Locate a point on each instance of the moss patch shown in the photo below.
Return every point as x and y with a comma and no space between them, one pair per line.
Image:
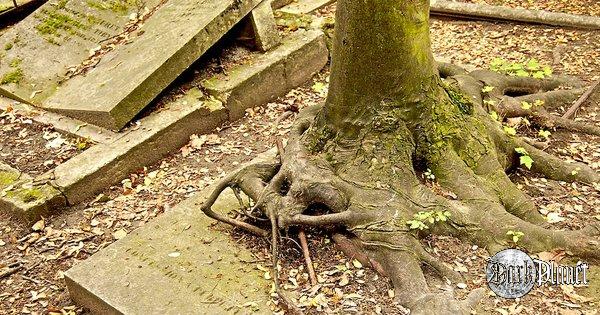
459,99
26,195
7,178
56,21
119,6
15,75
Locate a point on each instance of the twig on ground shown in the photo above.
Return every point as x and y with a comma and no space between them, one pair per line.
571,111
306,253
10,271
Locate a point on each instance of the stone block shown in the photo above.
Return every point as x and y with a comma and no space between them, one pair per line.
272,74
177,264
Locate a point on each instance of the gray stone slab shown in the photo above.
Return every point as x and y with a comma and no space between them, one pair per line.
132,75
272,74
264,26
126,78
36,53
176,264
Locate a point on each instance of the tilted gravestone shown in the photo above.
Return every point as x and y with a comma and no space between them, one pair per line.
81,58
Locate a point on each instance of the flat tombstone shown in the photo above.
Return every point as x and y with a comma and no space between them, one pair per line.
131,74
177,264
36,53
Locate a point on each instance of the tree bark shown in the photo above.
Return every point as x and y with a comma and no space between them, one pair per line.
381,61
389,118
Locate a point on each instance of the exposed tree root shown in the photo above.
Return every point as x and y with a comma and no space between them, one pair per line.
307,259
367,188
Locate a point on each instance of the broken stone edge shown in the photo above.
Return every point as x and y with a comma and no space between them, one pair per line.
271,75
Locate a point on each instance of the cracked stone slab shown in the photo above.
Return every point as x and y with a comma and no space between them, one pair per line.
177,264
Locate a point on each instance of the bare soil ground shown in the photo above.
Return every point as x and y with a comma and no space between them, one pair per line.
50,247
583,7
34,148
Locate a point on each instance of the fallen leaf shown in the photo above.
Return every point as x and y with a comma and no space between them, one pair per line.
119,234
344,280
554,217
39,225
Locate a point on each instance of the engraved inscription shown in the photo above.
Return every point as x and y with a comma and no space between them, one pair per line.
169,271
62,23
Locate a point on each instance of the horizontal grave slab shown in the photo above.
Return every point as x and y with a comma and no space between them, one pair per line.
177,264
103,61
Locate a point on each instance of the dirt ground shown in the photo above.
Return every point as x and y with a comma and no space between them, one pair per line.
585,7
42,252
35,148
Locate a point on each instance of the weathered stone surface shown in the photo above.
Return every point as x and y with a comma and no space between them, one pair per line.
264,26
125,79
6,4
271,75
305,6
276,4
60,122
104,164
36,53
177,264
20,197
132,75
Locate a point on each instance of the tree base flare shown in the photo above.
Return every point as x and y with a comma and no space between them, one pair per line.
368,188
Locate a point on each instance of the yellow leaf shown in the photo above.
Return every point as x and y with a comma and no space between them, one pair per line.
39,225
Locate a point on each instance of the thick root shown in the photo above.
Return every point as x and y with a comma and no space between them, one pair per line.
367,190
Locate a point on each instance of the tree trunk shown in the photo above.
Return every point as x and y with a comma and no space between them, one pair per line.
382,61
393,115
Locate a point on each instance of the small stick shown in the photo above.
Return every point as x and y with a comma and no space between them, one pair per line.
280,149
10,271
288,303
581,100
309,265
